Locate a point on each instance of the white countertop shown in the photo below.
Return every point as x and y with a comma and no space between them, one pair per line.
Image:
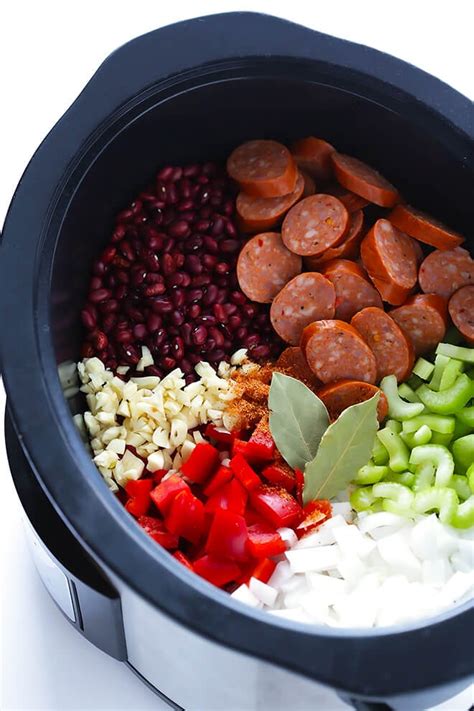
48,50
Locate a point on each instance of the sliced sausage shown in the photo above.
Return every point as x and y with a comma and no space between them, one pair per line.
425,228
313,155
335,350
389,257
423,318
309,184
293,363
342,394
306,298
349,199
264,266
461,310
353,290
392,349
363,180
349,247
444,273
256,214
314,224
263,168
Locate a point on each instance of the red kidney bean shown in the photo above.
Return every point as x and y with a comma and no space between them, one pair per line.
194,295
177,348
234,322
161,305
178,297
210,295
241,333
199,335
154,278
186,280
186,205
168,245
122,276
207,320
87,350
217,336
217,225
177,318
259,352
227,344
193,264
229,246
209,261
153,370
153,322
237,297
201,280
123,335
222,268
252,340
109,306
131,354
99,295
230,309
193,244
155,242
96,283
139,276
184,187
159,337
179,229
193,311
191,171
202,225
166,173
222,295
168,363
211,244
108,322
186,333
121,292
167,264
154,290
89,318
216,356
99,269
249,310
219,312
140,331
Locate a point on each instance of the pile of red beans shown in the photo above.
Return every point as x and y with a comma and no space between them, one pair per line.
167,280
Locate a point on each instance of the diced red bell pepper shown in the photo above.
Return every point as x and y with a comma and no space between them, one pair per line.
221,477
280,474
255,451
231,496
184,560
299,479
164,494
315,513
216,571
186,517
264,541
139,493
253,517
262,444
277,506
156,530
228,536
158,475
244,472
219,435
264,570
203,461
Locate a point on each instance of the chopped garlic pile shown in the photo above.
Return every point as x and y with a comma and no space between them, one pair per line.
157,417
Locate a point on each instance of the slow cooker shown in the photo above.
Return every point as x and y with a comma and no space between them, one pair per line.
184,93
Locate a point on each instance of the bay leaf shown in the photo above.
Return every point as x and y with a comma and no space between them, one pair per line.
345,446
298,419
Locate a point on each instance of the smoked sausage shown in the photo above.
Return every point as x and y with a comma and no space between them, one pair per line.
256,214
293,363
342,394
314,156
444,273
423,318
461,310
424,228
363,180
314,224
263,168
353,290
349,247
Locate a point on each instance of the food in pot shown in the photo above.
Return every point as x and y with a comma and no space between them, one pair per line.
253,398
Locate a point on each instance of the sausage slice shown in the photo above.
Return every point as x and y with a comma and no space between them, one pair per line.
257,214
306,298
292,362
390,259
425,228
314,156
335,350
461,310
263,168
392,349
309,184
264,266
423,318
340,395
314,224
363,180
353,290
349,199
349,247
444,273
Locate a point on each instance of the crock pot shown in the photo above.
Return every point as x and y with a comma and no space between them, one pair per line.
184,93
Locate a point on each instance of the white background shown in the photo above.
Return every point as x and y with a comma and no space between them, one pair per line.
48,50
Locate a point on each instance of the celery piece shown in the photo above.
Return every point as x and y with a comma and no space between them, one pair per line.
394,425
408,439
437,423
406,478
470,477
461,429
398,409
422,435
441,362
466,416
458,352
423,368
396,448
450,401
440,456
397,498
379,453
450,374
440,438
406,392
370,474
463,452
424,477
438,498
362,499
464,516
414,382
461,486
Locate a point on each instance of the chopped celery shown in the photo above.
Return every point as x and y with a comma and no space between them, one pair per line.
439,438
414,382
396,448
450,401
436,423
362,499
397,498
408,439
440,499
394,425
470,477
461,486
406,392
466,416
464,516
458,352
461,429
441,362
422,435
370,474
450,374
406,478
397,408
423,368
424,477
379,453
440,456
463,452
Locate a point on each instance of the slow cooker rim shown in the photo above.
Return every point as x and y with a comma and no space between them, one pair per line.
19,405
